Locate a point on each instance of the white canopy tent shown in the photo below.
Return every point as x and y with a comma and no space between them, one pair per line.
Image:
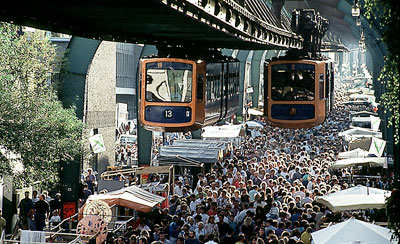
255,112
352,162
361,91
355,153
131,197
230,133
352,231
358,197
223,131
364,97
253,124
358,132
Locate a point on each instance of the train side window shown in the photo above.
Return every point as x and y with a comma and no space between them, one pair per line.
321,86
200,85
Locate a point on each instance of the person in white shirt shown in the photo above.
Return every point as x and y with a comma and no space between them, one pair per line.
311,184
211,239
306,199
178,189
201,179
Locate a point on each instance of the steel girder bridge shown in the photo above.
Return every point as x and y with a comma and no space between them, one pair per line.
236,24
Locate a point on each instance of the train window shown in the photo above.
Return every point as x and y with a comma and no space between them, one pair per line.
321,86
292,82
169,82
200,85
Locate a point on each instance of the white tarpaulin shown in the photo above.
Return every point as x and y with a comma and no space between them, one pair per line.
353,231
97,143
377,146
358,197
224,131
352,162
356,153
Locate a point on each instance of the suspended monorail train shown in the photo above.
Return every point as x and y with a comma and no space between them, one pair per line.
185,95
298,93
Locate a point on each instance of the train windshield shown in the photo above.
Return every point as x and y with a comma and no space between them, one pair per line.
293,82
169,82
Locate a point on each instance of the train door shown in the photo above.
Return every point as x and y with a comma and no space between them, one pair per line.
200,92
327,87
321,99
332,85
266,85
232,93
223,89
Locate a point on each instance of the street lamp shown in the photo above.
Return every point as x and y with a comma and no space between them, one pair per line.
355,10
358,21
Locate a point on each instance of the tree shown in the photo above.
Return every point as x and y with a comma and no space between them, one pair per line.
33,123
386,15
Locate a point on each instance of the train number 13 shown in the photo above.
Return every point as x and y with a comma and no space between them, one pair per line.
168,113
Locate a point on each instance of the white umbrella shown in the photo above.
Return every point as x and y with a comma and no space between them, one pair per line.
352,231
352,162
355,153
253,124
358,197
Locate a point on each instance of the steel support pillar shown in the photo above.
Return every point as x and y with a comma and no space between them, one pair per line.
144,137
80,56
196,134
340,63
256,75
242,56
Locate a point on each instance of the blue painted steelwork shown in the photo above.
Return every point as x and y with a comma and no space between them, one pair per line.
301,111
80,55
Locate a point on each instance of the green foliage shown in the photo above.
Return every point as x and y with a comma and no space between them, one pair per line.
385,15
33,123
392,210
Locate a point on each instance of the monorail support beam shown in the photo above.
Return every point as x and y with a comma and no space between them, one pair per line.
80,56
144,138
256,75
196,134
242,56
340,63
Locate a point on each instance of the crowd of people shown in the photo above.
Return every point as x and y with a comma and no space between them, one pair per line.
263,193
35,212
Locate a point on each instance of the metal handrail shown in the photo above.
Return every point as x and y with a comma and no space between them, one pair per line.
63,221
125,222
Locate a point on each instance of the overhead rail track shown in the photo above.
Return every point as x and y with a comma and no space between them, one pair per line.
240,24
